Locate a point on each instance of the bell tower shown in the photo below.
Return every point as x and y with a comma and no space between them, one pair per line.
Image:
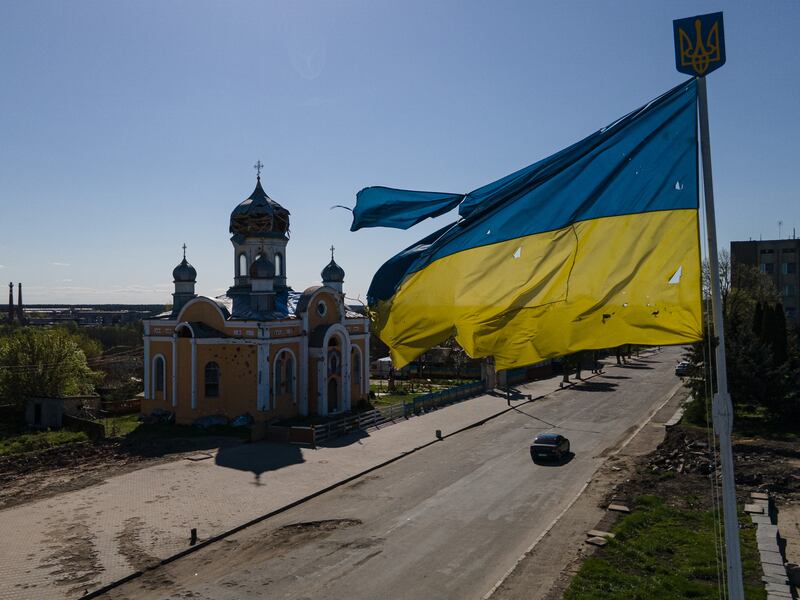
259,227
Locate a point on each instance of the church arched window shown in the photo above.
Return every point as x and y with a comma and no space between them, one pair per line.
212,380
355,362
159,373
278,265
289,374
243,265
334,362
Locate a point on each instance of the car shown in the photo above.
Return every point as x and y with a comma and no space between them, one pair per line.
682,368
549,446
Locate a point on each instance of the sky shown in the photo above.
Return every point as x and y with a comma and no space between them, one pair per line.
130,128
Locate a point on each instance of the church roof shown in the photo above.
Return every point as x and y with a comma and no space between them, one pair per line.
259,216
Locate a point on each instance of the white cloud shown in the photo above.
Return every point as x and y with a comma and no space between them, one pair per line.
2,266
60,264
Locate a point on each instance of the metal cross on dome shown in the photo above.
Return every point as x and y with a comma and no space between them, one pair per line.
258,166
332,249
184,251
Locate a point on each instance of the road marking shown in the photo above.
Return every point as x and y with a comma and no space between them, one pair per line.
669,396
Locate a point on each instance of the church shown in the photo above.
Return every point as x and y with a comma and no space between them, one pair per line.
262,348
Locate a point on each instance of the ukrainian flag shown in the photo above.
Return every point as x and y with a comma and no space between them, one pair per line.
593,247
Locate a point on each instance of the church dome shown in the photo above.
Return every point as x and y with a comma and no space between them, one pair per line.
184,272
262,268
260,216
333,272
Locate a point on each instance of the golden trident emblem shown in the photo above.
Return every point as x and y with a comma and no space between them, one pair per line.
703,53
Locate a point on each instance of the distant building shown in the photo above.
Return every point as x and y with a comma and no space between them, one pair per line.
261,348
778,259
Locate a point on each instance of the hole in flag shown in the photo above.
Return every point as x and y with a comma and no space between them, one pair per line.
676,278
488,231
678,186
518,252
625,304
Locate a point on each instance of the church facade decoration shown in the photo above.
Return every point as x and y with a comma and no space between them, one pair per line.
262,348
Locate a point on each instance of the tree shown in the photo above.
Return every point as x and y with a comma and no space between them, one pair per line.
761,363
43,362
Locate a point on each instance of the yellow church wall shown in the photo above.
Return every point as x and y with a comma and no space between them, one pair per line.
238,390
331,313
183,412
206,312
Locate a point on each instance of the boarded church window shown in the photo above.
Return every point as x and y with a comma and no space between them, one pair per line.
355,360
159,373
289,374
212,380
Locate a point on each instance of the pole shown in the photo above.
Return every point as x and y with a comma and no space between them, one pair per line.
721,407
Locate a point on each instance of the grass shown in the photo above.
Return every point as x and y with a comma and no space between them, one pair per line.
120,425
40,440
662,553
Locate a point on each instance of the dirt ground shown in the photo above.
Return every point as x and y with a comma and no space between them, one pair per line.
37,475
677,465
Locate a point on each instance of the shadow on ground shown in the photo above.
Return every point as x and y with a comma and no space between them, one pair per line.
554,463
354,437
259,458
595,386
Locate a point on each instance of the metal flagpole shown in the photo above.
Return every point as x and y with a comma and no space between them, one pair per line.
721,407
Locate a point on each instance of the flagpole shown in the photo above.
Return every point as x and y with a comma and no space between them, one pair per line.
722,409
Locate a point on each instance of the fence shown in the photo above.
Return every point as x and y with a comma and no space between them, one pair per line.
379,416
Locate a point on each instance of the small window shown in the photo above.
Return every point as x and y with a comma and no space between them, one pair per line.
767,251
212,380
278,265
322,308
289,374
788,290
243,265
355,360
159,373
788,250
768,268
334,363
789,268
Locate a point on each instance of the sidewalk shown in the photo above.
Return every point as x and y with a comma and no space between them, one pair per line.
62,546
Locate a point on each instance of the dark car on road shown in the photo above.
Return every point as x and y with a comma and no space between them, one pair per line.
549,446
682,368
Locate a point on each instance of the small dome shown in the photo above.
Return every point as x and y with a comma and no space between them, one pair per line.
333,272
184,272
262,268
260,216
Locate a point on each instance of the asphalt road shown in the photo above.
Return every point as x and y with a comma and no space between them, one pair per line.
445,522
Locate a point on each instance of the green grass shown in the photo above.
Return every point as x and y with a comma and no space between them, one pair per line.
121,425
662,553
41,440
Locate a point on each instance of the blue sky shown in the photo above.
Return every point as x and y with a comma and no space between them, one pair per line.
130,128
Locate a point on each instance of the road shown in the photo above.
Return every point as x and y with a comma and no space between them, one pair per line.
447,521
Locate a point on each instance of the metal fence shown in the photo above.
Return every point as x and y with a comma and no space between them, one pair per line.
386,414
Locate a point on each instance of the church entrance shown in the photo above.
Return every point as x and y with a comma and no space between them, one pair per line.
333,395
